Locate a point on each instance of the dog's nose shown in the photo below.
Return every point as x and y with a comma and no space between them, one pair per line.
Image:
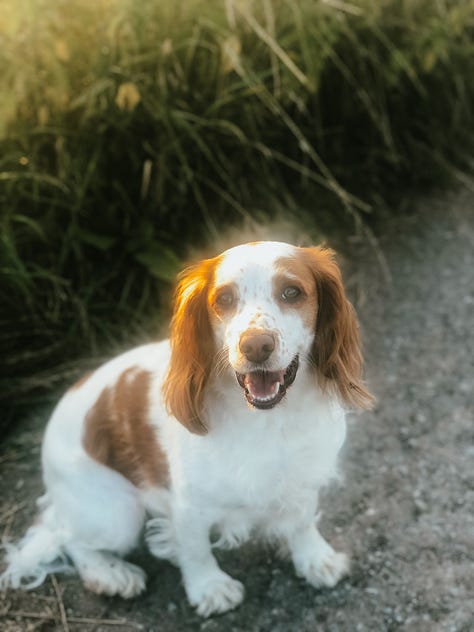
256,346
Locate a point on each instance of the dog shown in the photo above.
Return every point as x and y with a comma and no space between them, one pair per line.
229,428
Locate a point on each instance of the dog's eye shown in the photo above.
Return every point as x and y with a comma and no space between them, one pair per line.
290,294
225,300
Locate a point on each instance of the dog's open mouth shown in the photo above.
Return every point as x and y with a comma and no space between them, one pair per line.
265,389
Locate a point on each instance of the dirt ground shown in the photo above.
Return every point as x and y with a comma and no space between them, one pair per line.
405,510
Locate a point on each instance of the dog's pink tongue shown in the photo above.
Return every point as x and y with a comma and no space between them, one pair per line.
261,384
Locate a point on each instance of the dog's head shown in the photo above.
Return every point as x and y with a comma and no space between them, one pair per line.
261,310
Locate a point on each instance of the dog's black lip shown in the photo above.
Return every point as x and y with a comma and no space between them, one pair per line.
288,379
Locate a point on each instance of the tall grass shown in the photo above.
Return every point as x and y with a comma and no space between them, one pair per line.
130,131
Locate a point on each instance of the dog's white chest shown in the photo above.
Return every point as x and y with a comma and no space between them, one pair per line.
260,462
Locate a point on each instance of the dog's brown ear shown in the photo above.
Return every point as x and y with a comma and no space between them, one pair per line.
192,347
336,349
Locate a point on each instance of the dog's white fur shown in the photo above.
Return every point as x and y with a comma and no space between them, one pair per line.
239,471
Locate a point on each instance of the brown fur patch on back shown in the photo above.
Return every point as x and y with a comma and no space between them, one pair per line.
118,432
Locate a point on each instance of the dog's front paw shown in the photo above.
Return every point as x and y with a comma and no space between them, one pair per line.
215,593
326,570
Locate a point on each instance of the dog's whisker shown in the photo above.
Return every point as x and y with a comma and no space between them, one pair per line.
309,359
221,355
221,361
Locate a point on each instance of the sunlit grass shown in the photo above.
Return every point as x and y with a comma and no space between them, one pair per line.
130,131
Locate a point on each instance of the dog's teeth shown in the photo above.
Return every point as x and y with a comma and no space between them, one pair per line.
268,398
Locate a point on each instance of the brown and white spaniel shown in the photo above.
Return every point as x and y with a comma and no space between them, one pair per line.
231,426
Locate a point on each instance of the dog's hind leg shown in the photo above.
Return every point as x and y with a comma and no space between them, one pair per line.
105,573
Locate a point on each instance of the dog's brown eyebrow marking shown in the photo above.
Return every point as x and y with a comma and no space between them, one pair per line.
118,432
293,270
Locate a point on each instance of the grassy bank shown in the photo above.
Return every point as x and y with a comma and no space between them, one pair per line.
130,131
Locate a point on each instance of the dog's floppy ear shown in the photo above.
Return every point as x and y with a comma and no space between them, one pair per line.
336,349
192,347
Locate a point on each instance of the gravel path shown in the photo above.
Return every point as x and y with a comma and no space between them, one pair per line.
406,508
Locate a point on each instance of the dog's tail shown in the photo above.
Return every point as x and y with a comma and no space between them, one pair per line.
39,553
